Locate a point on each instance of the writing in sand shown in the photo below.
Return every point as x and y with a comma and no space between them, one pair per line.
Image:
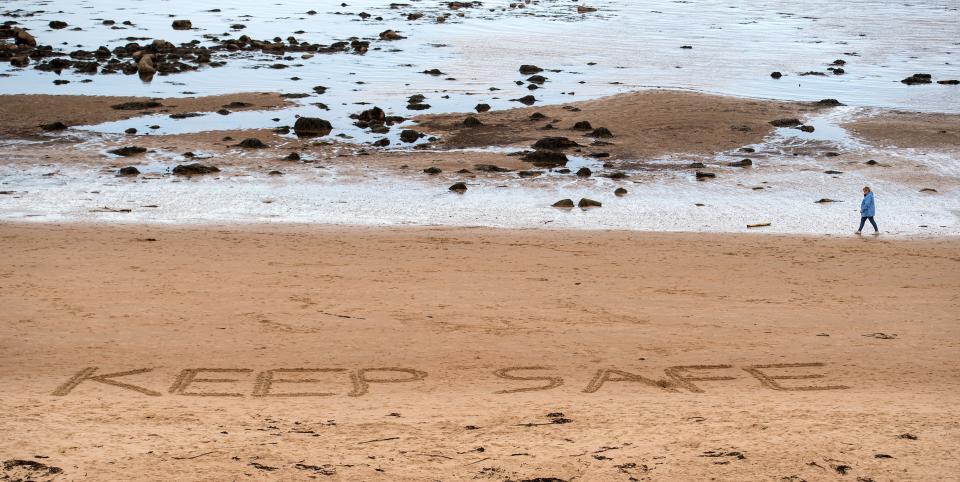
276,382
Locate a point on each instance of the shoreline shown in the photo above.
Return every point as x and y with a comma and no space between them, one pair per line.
314,227
678,155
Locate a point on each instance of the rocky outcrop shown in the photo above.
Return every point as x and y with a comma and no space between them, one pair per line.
554,143
128,151
252,143
311,127
546,158
194,169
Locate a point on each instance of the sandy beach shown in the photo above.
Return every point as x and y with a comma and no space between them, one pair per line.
538,241
659,356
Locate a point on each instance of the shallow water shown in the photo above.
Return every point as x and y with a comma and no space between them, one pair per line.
634,45
780,188
725,205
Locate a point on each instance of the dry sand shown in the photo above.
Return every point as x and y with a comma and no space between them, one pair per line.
447,309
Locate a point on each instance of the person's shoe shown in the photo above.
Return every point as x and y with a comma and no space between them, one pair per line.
858,233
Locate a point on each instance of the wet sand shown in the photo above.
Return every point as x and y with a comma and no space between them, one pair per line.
465,316
909,130
644,124
24,115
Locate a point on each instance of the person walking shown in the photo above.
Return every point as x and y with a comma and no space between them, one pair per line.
868,209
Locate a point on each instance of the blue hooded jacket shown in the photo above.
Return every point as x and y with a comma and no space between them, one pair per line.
867,208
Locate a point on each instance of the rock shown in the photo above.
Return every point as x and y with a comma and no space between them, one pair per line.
375,114
787,122
825,200
530,69
582,126
131,130
145,66
546,158
601,132
54,126
194,169
776,75
871,162
949,82
410,136
432,170
390,35
741,163
747,149
472,121
381,142
927,189
833,172
185,115
57,24
182,25
128,171
705,175
528,174
537,116
160,45
588,203
618,175
758,225
434,72
918,79
584,172
482,107
21,61
537,79
128,151
274,173
563,203
252,143
459,188
416,98
585,9
22,37
137,105
554,143
599,155
525,100
620,192
311,127
293,156
696,165
806,128
830,103
490,168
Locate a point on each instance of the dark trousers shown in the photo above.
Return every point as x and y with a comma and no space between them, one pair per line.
864,220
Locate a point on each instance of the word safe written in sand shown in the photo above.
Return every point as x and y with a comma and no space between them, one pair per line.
277,382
